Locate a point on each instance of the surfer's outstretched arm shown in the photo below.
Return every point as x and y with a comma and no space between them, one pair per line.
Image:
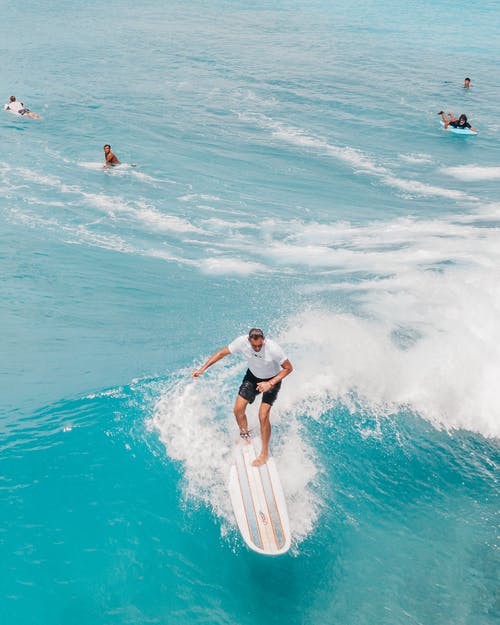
211,361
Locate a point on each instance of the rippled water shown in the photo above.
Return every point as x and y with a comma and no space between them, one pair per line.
283,166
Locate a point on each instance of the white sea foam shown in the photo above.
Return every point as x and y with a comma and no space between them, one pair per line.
74,234
38,202
140,175
416,158
224,265
426,335
283,245
41,179
197,428
415,187
91,165
140,211
485,212
380,247
225,225
161,221
428,342
82,235
357,159
354,157
123,169
473,173
113,205
168,255
189,197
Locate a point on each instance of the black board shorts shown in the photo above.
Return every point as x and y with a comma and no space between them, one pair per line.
248,389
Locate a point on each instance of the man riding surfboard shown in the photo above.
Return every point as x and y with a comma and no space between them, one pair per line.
267,367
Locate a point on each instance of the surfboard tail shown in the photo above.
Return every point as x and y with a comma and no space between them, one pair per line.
259,503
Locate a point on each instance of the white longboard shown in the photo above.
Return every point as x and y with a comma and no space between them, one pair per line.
258,502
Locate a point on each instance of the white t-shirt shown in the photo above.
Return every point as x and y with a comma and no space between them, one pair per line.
15,106
264,364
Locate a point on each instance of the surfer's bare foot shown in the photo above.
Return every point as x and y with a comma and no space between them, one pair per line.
259,461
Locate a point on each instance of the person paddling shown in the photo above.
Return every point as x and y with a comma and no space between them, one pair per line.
452,121
19,109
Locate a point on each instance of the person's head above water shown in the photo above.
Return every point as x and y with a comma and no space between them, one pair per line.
107,146
462,119
12,98
467,83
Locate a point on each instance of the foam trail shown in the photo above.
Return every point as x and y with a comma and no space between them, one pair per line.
358,160
220,266
384,248
140,211
195,422
91,165
121,169
189,197
430,344
417,158
473,173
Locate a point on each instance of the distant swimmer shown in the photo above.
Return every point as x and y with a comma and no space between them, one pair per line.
267,366
18,108
110,160
467,84
460,123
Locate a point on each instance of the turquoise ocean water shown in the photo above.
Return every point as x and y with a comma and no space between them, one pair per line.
290,172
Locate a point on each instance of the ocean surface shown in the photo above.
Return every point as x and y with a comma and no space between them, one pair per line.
282,166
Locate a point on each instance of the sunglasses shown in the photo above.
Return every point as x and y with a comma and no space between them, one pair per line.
256,336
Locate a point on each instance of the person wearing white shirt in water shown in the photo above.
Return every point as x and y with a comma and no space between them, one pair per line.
19,109
267,366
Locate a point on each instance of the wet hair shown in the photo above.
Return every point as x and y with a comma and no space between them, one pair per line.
466,79
257,331
12,98
464,117
107,146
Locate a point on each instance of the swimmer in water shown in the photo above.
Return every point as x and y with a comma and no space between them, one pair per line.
110,159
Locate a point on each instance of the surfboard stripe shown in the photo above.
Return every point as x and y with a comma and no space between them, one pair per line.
264,520
258,502
272,508
248,502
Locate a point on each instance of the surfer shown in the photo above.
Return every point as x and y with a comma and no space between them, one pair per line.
19,109
461,122
110,159
267,366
